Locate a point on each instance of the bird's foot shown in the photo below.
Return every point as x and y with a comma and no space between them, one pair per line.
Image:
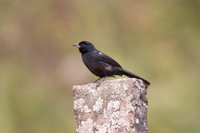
99,83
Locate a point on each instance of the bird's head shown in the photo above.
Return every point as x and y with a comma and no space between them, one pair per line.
84,46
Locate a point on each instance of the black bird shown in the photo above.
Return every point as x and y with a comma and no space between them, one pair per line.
100,64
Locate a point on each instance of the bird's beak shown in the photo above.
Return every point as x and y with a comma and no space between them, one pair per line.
76,45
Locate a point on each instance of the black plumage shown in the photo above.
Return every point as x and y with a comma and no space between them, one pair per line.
100,64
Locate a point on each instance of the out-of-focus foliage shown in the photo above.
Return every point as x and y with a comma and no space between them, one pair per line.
158,40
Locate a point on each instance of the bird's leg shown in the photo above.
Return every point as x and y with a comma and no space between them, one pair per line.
99,83
97,80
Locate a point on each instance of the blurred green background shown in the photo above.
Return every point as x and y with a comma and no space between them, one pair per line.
158,40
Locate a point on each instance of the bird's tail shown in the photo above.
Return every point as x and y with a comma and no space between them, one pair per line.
131,75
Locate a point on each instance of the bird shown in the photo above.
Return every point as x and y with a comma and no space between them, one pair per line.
101,64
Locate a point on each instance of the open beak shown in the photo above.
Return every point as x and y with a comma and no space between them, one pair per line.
76,45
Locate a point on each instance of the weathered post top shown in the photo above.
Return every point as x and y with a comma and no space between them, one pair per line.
116,106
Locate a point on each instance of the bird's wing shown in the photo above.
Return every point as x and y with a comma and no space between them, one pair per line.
106,59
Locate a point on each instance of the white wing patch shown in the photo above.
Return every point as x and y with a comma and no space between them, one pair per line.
108,67
100,53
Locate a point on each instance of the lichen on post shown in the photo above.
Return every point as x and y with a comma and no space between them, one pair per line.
116,106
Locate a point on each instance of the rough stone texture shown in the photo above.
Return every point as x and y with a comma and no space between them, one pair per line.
116,106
